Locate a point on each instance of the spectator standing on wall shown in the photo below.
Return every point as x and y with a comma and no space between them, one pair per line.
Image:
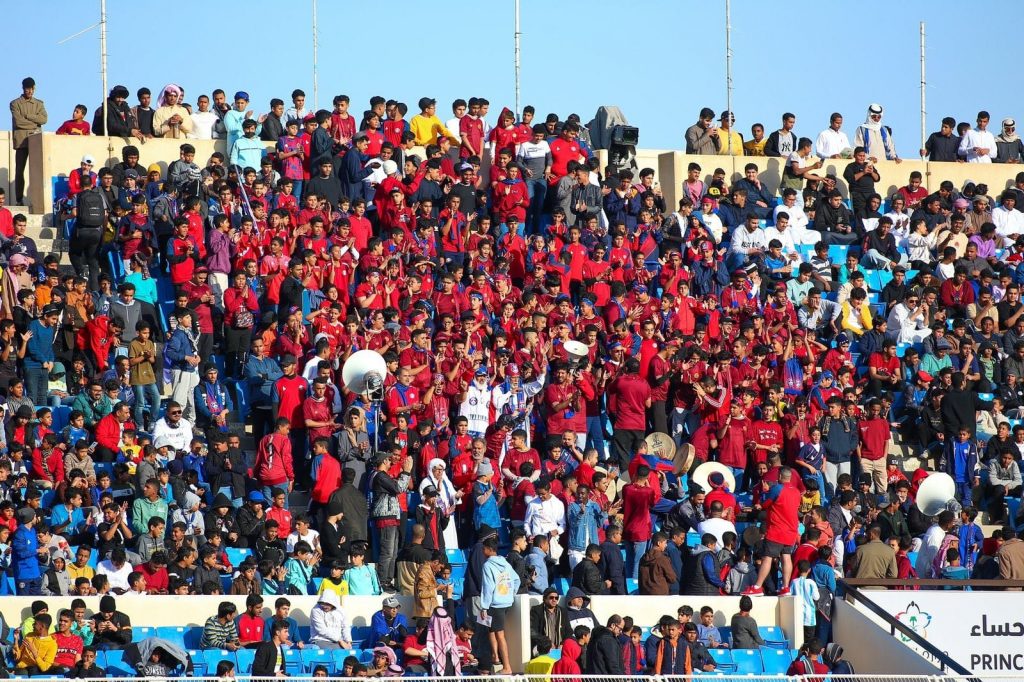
28,115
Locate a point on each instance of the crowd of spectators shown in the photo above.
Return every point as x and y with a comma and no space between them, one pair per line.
790,334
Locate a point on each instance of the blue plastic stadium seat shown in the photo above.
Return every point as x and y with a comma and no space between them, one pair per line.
314,585
61,413
244,658
364,655
748,661
837,252
632,586
775,661
772,633
293,662
562,585
360,637
198,662
313,657
339,657
236,555
174,635
141,633
455,556
726,632
116,666
211,657
692,539
721,655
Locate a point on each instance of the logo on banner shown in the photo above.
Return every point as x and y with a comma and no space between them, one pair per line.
915,619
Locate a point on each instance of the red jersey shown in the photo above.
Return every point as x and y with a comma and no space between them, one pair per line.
289,394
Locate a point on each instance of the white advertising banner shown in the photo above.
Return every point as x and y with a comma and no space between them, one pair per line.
982,631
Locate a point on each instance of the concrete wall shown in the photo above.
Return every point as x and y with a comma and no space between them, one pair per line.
52,155
871,648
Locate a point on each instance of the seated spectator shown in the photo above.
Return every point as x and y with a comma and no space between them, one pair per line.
329,626
220,631
113,629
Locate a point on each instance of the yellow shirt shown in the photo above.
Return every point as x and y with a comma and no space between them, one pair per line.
46,651
540,666
737,142
754,148
341,589
74,572
428,129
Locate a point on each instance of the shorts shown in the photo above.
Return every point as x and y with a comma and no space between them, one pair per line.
497,618
774,550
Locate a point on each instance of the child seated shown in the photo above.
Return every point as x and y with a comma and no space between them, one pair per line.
953,570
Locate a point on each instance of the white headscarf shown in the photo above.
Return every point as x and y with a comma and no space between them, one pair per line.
868,122
444,486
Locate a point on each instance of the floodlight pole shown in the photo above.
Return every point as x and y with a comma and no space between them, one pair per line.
728,70
316,49
518,110
103,61
923,85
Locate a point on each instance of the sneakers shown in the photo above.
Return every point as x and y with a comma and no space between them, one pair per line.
783,592
754,591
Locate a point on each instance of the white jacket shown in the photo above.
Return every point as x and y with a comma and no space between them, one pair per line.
329,626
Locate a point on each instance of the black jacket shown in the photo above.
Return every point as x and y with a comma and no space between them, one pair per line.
959,410
613,567
120,120
355,510
265,660
587,577
538,626
604,653
522,569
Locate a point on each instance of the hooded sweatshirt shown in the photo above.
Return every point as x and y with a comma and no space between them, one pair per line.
500,584
568,664
656,574
328,626
582,615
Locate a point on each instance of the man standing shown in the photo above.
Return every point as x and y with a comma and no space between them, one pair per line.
875,137
702,136
782,502
629,399
28,115
874,445
943,145
874,559
979,145
25,555
783,141
832,141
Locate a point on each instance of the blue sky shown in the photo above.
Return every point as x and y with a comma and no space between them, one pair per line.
659,60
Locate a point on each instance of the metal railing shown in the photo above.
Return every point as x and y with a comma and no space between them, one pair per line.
520,677
945,661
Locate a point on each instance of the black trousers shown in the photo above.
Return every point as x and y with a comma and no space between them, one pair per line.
20,163
84,252
625,443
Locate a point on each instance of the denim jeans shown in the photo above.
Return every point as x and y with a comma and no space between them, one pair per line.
538,190
37,381
388,554
147,397
634,552
29,588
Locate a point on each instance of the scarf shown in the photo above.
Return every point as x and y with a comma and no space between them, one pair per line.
869,124
1007,137
170,87
441,645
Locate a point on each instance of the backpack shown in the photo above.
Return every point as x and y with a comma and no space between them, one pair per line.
91,209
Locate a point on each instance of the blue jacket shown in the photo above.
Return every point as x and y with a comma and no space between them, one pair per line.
381,631
622,208
582,523
179,348
40,346
247,152
222,395
966,454
675,556
486,513
709,280
535,560
352,173
260,388
24,562
500,584
755,195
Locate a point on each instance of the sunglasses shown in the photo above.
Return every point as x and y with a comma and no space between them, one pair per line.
174,413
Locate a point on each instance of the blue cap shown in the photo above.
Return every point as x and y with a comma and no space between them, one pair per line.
242,94
481,371
256,496
827,375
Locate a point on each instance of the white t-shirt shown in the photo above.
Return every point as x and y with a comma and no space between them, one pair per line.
717,527
831,143
312,538
202,125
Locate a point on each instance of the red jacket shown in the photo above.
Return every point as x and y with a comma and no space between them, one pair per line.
511,198
108,432
50,468
783,521
96,338
274,461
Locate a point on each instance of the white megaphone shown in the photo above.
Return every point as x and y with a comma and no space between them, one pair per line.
577,352
936,494
364,372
